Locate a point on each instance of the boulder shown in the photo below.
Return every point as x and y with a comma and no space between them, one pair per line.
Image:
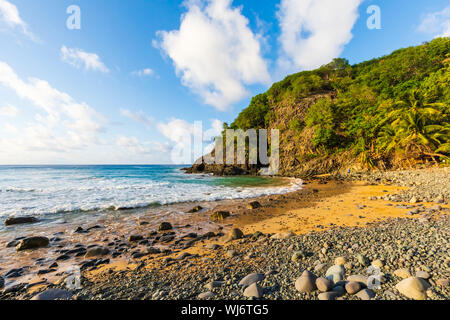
20,220
32,243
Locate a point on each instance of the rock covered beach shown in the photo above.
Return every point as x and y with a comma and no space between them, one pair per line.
401,254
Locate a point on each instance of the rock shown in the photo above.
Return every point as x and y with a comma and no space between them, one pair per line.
32,243
339,290
195,209
165,226
378,263
2,282
306,282
283,236
135,238
12,243
298,256
20,220
362,260
254,290
353,287
328,296
320,267
335,273
231,253
323,284
251,278
423,274
220,215
96,251
214,284
54,294
253,205
340,261
235,234
206,295
366,294
413,200
362,280
443,282
402,273
413,288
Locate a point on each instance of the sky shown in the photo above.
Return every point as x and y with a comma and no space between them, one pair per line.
124,82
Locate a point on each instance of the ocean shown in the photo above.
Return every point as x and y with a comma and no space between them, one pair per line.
57,190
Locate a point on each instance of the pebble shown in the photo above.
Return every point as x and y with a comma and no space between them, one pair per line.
254,290
340,261
402,273
323,284
206,295
328,296
366,294
306,282
165,226
423,274
352,287
54,294
251,278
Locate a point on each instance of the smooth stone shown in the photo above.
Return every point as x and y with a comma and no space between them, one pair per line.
254,290
335,273
231,253
20,220
413,288
214,284
423,274
206,295
323,284
32,243
402,273
362,280
306,282
366,294
251,278
253,205
339,290
320,267
378,264
328,296
53,294
353,287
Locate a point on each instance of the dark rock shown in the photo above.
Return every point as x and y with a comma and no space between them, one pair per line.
20,220
165,226
220,215
96,251
253,205
54,294
32,243
195,209
135,238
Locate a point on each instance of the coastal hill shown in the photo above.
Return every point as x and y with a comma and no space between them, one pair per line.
387,113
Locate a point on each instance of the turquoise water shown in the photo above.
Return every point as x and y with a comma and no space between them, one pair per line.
46,190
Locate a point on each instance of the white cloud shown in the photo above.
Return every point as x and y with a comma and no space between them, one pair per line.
64,125
144,72
10,17
81,59
313,32
139,116
437,23
215,52
9,111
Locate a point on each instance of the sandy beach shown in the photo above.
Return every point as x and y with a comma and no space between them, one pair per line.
195,250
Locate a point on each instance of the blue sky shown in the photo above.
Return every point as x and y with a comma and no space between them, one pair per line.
128,86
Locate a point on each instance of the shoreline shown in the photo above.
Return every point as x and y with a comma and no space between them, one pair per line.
321,207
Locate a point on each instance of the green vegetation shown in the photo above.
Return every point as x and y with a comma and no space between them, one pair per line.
385,110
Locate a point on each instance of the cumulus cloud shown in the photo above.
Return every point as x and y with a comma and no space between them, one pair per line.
139,116
63,123
147,72
10,18
81,59
215,52
436,23
9,111
313,32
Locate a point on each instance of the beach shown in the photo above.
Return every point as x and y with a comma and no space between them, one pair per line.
334,227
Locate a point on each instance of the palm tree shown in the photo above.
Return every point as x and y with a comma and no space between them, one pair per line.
417,127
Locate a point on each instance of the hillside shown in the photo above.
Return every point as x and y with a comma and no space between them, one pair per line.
389,112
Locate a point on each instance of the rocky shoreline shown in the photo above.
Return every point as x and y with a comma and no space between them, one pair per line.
395,258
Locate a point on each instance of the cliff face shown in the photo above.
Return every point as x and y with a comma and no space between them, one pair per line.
391,112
